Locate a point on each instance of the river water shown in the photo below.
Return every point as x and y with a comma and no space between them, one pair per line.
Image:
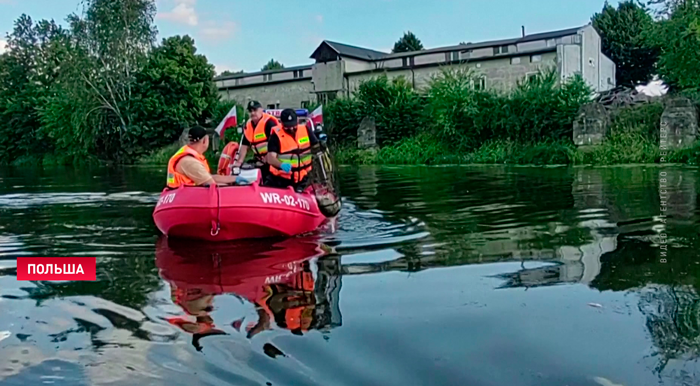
486,275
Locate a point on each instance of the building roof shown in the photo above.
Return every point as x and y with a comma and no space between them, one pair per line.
347,50
550,35
249,74
493,43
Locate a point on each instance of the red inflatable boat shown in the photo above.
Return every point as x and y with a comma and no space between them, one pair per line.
242,211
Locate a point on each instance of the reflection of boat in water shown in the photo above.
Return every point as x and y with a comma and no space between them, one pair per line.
293,283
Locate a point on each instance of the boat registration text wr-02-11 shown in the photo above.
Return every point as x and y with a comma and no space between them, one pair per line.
285,199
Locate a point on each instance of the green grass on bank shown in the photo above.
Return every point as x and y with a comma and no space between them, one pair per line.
424,149
624,148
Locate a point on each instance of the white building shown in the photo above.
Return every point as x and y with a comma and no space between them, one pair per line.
339,68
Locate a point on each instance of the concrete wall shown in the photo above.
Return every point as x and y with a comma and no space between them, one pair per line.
354,65
529,46
391,63
429,59
287,94
590,56
569,60
248,80
328,76
481,53
355,80
503,74
607,73
499,73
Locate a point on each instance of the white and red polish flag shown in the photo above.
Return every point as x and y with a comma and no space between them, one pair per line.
316,116
230,120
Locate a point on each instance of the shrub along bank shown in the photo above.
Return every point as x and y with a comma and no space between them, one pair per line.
453,122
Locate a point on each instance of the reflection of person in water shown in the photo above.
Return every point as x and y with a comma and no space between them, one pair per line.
197,304
281,281
291,305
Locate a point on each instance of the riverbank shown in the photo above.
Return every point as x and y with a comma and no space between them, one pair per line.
426,150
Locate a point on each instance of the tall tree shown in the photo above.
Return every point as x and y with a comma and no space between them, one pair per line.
407,43
27,72
272,65
113,39
175,90
624,35
678,38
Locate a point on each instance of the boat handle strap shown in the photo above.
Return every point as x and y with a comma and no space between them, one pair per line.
215,213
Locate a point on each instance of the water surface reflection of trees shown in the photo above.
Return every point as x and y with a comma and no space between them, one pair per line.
603,217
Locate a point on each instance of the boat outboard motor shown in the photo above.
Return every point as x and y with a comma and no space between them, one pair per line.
323,178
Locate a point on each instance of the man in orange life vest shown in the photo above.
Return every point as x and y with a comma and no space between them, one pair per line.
256,135
289,153
188,166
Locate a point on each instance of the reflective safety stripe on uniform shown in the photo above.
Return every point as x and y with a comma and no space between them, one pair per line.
257,137
295,151
175,179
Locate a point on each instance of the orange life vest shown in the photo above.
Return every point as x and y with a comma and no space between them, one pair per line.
226,159
292,318
257,137
295,151
175,179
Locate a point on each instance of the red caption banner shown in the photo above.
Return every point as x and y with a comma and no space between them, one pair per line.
57,268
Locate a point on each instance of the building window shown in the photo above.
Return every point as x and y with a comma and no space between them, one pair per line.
536,58
325,97
452,56
515,60
296,74
305,104
577,39
480,83
267,77
500,50
405,62
301,73
531,76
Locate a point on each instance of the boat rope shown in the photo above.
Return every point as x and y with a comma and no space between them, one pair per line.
216,225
